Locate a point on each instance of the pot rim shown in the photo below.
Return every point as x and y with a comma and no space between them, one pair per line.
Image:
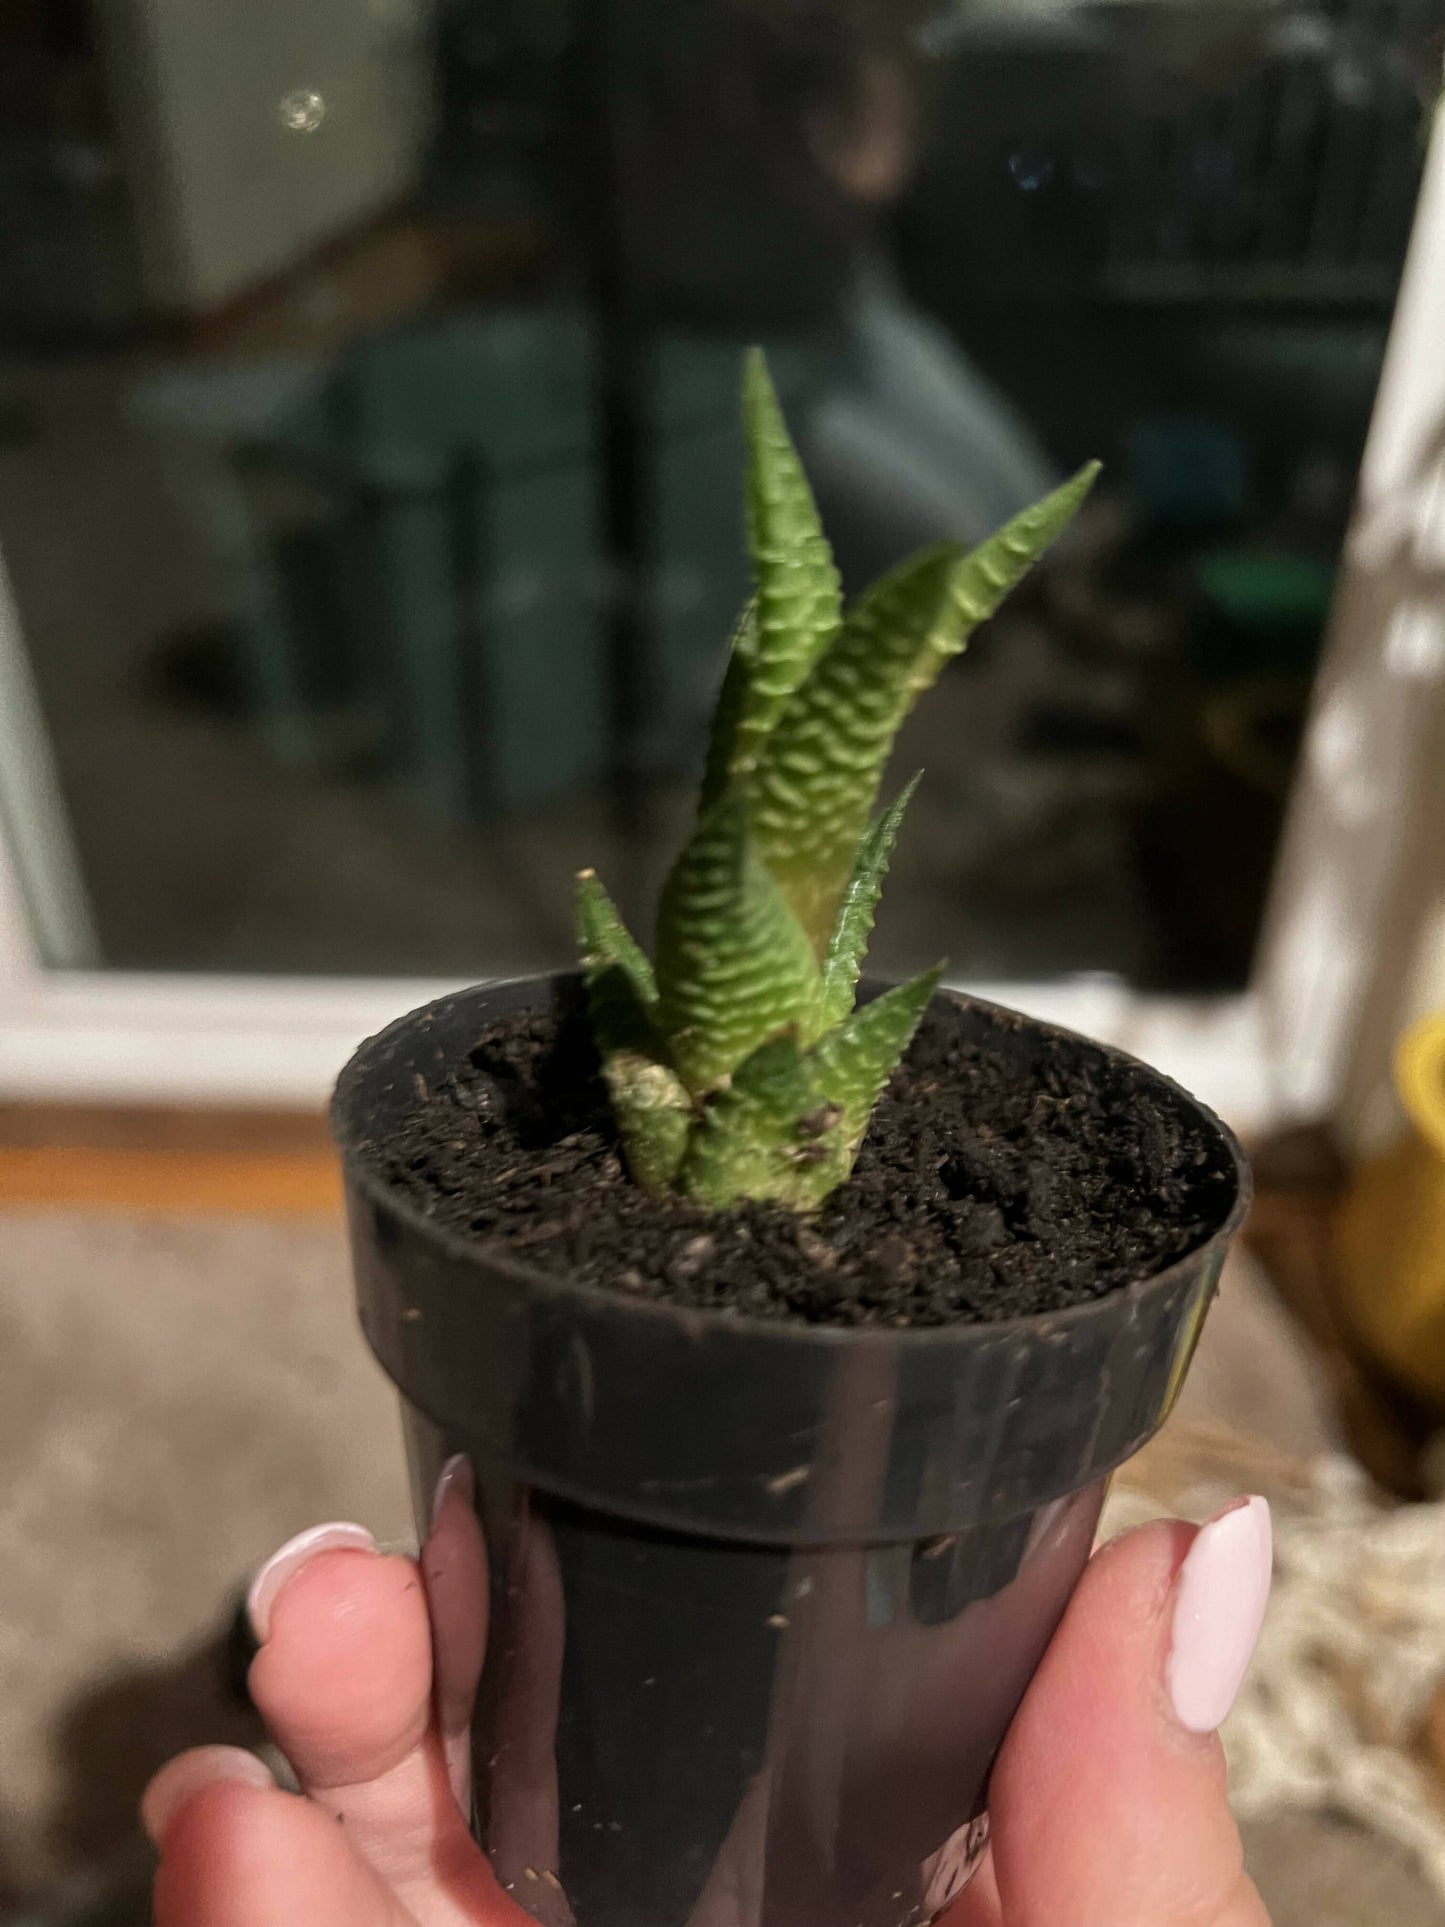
497,1255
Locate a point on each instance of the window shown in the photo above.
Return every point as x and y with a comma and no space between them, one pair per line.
368,457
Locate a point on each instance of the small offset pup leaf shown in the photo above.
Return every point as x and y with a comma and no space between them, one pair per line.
799,599
621,991
849,942
604,938
788,1126
745,1141
653,1117
857,1059
813,788
734,965
649,1104
728,711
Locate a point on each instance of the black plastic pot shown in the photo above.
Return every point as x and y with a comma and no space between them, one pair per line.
763,1597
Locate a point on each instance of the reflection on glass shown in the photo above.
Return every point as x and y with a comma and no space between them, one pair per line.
369,460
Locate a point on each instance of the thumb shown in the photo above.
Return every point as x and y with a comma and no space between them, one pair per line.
1108,1803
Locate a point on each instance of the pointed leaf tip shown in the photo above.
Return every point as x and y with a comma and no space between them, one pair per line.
857,1059
798,603
849,942
605,941
813,787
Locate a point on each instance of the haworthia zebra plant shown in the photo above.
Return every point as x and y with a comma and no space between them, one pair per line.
738,1065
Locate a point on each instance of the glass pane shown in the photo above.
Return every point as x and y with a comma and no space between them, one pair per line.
369,456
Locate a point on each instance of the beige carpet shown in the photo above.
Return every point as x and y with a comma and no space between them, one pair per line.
176,1398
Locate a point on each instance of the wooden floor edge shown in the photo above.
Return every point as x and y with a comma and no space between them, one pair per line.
300,1184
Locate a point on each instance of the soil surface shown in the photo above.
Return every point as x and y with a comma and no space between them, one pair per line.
985,1188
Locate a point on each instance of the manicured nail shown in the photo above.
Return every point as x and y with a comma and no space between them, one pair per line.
454,1566
456,1476
183,1778
284,1565
1218,1609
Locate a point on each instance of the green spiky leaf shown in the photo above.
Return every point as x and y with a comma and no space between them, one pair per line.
734,965
742,1069
728,710
849,942
813,788
799,600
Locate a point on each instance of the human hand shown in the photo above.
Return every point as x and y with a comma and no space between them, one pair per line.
1108,1801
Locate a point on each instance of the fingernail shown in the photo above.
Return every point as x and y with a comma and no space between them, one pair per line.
447,1569
283,1566
1218,1609
182,1779
456,1476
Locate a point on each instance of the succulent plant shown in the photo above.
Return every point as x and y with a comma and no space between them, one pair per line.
739,1065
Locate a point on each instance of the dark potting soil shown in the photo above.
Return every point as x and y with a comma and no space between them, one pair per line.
982,1191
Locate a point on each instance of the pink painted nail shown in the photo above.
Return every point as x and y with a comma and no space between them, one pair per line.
454,1566
284,1565
456,1476
1218,1609
185,1777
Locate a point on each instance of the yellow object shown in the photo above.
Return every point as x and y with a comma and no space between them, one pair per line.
1391,1242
